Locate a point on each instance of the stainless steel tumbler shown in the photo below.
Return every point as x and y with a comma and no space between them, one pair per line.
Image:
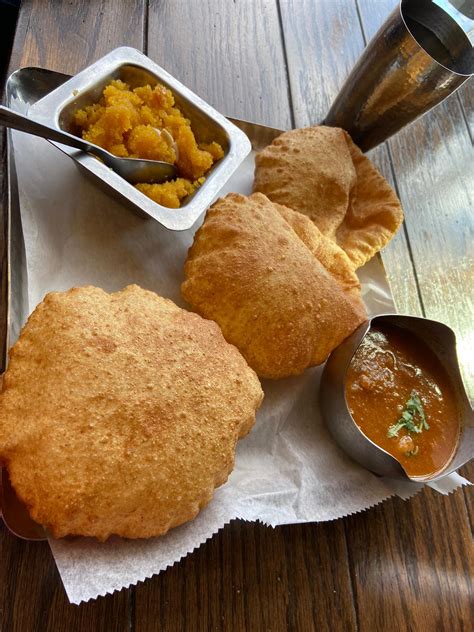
421,54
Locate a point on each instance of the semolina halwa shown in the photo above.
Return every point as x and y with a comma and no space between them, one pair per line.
129,123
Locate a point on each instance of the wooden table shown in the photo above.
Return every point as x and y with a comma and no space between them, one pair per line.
399,566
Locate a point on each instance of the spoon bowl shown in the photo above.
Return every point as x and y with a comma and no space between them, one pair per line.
133,170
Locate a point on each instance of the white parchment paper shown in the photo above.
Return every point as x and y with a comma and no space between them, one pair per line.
288,470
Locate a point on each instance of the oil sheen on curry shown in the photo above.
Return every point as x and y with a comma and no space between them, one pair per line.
402,399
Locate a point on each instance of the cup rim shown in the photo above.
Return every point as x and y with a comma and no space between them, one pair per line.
438,7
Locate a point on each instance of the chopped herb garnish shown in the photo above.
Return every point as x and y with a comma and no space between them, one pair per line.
395,429
413,418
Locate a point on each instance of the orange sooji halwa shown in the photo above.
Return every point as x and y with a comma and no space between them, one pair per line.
402,399
145,123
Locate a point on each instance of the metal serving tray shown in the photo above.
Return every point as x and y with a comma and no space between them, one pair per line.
25,88
128,64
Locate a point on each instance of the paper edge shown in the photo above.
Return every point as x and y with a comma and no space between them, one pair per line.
463,483
221,528
150,575
214,533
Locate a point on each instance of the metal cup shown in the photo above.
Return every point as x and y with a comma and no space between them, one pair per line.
421,54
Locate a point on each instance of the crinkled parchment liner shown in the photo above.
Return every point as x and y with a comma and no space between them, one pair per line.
287,470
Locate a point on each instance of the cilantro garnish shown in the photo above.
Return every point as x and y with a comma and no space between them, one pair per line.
413,417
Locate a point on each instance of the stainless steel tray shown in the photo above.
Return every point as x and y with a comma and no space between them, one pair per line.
57,108
24,88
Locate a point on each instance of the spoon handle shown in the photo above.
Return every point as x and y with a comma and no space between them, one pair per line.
10,118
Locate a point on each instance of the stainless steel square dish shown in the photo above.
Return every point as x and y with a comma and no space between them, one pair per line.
57,108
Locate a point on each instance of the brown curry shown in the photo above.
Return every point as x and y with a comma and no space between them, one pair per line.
401,397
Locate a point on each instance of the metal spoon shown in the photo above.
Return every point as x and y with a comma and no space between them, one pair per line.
134,170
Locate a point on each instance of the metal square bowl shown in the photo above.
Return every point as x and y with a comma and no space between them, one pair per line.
57,108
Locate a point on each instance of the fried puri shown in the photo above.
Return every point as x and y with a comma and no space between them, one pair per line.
320,172
281,292
120,413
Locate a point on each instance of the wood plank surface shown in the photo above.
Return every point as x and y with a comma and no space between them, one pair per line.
32,596
466,98
468,472
400,566
67,36
243,74
249,577
413,152
229,53
372,13
412,565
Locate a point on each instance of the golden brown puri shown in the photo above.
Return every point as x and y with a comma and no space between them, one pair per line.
271,294
328,253
374,214
120,412
320,172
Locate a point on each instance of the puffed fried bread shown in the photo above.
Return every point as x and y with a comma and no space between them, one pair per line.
319,172
271,288
120,412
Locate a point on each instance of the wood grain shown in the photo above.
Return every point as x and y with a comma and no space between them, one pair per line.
67,36
468,472
33,598
372,14
433,163
466,98
433,579
432,160
249,577
323,40
243,74
230,53
400,566
384,549
412,565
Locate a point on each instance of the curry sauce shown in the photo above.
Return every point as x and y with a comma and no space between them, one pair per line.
402,399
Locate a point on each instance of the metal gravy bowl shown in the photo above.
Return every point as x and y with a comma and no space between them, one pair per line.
340,423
